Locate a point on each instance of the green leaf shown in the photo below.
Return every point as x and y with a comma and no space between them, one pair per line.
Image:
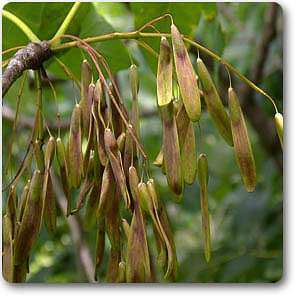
186,16
45,18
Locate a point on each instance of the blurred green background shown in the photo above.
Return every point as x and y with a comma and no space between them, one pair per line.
247,229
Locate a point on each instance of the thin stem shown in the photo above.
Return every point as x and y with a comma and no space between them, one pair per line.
149,24
65,24
19,96
148,48
137,35
12,49
19,23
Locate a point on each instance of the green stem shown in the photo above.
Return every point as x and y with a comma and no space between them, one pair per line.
19,23
65,24
137,35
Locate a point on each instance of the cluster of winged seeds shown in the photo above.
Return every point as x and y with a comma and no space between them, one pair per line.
108,172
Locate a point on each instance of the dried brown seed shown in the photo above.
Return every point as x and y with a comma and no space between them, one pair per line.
134,81
214,103
100,246
159,160
108,188
74,151
187,143
154,208
137,259
39,155
121,141
86,79
115,160
23,201
164,77
50,207
171,150
31,221
7,249
242,145
122,272
63,168
203,180
186,76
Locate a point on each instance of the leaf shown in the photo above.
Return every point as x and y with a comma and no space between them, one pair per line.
45,18
185,15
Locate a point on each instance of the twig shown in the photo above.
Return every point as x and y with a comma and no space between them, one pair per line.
26,122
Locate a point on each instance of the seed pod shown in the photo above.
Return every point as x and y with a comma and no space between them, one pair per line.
186,76
115,160
50,207
108,188
49,153
31,221
92,205
20,272
113,266
144,198
39,155
122,272
23,201
214,104
171,150
154,207
134,81
161,250
98,113
133,182
100,246
63,167
89,147
159,158
99,99
126,227
38,127
121,141
187,143
164,73
7,249
48,196
11,208
86,78
203,181
242,145
86,186
278,119
75,152
115,118
113,223
137,259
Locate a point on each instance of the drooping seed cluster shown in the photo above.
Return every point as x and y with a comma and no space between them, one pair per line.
108,174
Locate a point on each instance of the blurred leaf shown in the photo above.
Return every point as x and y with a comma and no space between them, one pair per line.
185,15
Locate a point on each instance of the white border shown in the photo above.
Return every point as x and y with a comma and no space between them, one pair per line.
288,287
